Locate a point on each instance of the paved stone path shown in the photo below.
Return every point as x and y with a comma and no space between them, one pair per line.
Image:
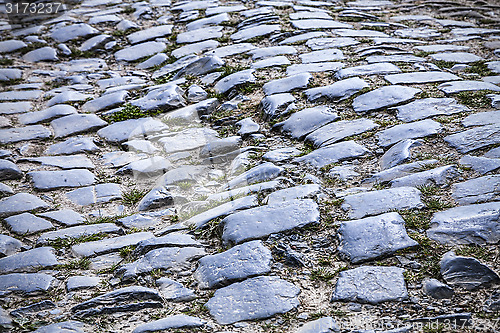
251,166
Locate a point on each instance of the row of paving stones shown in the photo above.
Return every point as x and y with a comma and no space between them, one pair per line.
372,232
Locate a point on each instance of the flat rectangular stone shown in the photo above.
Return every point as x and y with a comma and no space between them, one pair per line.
109,245
382,201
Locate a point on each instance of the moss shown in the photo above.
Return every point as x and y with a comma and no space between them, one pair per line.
477,99
130,111
479,67
75,264
444,64
133,196
61,243
6,62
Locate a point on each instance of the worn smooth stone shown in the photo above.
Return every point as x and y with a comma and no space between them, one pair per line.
172,259
108,245
318,23
20,203
371,284
15,107
150,33
371,69
247,126
66,217
193,112
71,146
128,129
195,48
105,102
441,48
439,176
437,289
400,171
200,220
164,98
75,124
233,80
245,225
20,95
337,90
82,282
68,96
29,261
73,31
476,190
9,170
395,58
321,55
273,105
398,153
77,232
25,284
460,57
156,198
9,245
429,107
138,51
188,139
303,122
383,97
252,299
373,237
334,153
316,67
260,173
184,173
42,54
149,167
281,154
117,296
172,239
339,130
207,21
70,326
252,32
155,60
466,85
330,42
64,162
8,74
26,133
199,35
259,187
468,273
51,180
472,224
296,192
180,321
27,223
482,118
266,52
299,81
418,129
475,138
95,42
238,263
377,202
420,77
11,45
84,65
46,114
174,291
480,164
229,50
